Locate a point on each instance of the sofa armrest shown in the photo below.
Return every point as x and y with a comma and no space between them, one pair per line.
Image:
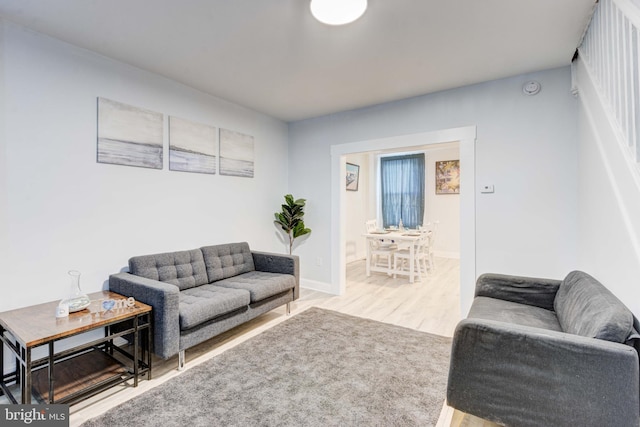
279,263
164,298
519,375
525,290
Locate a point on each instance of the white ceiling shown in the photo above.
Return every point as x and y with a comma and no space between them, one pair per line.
272,56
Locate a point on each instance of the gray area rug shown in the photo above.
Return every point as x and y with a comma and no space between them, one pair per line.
319,368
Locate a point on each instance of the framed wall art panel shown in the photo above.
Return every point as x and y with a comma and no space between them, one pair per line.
192,146
448,177
353,176
129,135
236,154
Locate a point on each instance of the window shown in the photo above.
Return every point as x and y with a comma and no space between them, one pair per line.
402,190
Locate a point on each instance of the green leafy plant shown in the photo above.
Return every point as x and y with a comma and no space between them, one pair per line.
290,219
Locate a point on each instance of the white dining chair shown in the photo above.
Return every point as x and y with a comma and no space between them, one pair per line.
381,252
382,255
371,225
421,261
433,228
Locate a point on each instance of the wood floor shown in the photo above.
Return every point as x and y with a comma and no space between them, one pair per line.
430,305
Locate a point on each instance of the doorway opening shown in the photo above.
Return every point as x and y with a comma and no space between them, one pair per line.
466,137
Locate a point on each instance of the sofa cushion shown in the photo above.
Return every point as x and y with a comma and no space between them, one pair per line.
185,269
206,302
260,284
487,308
223,261
585,307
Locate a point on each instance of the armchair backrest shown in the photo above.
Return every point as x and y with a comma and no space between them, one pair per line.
585,307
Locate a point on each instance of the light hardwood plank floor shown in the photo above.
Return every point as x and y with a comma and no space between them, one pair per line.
431,305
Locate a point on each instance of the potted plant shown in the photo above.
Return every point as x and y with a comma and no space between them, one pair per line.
290,219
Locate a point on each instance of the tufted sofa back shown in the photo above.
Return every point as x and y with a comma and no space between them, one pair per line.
185,269
228,260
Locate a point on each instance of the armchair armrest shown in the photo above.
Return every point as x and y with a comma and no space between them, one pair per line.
279,263
519,375
525,290
164,298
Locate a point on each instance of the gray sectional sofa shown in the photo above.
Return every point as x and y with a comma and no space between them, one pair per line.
200,293
540,352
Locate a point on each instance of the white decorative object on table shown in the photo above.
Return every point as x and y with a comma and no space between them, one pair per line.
62,310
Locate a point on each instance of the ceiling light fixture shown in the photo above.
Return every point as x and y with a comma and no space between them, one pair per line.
337,12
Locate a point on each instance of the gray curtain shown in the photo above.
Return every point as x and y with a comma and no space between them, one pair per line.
402,187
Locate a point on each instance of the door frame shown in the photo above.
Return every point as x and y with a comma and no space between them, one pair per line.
466,137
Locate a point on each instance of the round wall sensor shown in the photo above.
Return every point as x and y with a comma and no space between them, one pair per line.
531,88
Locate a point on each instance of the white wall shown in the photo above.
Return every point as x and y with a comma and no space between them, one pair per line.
444,208
357,207
4,226
61,210
609,201
526,148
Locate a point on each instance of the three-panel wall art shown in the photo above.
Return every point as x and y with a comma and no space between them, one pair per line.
133,136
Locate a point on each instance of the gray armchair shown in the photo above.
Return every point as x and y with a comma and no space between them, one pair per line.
540,352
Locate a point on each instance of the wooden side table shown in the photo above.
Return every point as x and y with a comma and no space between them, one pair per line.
73,374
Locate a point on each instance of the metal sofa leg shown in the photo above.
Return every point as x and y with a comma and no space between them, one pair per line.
181,360
288,308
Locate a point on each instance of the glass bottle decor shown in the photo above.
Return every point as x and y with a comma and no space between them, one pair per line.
76,300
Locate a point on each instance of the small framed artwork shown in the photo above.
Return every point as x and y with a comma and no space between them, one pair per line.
448,177
353,174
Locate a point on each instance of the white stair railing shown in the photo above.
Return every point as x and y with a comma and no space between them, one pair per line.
610,50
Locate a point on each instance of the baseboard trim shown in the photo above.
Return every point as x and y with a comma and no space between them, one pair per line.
316,286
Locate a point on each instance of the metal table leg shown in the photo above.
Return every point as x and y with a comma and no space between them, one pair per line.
25,367
50,369
136,355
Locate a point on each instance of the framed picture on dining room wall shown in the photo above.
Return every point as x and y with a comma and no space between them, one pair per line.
353,175
448,177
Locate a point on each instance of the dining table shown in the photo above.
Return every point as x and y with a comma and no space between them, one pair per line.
410,237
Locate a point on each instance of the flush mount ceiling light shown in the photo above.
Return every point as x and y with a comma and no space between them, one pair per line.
337,12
